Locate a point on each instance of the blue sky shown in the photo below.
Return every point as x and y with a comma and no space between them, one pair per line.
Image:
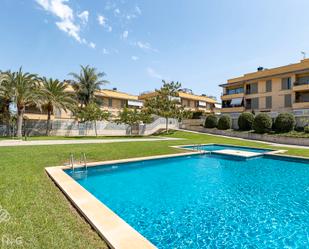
200,43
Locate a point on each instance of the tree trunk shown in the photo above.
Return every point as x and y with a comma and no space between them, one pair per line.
48,123
95,128
20,116
166,123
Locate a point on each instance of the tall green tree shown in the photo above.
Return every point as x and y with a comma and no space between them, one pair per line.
86,83
6,98
54,96
133,117
92,113
25,93
165,102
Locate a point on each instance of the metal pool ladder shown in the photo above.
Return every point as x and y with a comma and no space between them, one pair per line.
83,161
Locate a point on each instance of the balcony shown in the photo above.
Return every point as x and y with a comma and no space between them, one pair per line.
232,109
300,105
299,87
232,96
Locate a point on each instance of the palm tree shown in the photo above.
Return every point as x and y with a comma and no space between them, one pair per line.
6,96
25,92
86,83
54,96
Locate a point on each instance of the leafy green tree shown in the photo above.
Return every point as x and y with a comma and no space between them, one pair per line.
165,102
133,117
54,96
86,83
25,91
92,113
6,98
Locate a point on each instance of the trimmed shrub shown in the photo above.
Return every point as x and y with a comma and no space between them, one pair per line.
225,122
197,115
306,129
211,121
285,122
245,121
262,123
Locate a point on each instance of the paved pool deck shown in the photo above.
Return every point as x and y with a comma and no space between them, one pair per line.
5,143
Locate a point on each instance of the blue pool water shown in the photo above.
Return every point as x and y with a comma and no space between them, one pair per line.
207,201
213,147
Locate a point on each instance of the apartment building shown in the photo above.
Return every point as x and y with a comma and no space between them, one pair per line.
111,100
189,101
275,90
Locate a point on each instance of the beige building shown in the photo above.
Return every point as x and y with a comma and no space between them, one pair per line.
189,101
275,90
112,100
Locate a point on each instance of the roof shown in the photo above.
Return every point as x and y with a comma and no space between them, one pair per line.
301,66
116,94
110,94
182,95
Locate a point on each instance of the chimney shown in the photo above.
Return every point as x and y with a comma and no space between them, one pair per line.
114,88
260,68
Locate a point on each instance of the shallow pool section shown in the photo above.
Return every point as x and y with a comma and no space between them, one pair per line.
218,147
208,201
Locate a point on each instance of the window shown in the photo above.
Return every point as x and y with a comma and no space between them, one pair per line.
287,100
268,86
234,91
252,88
110,102
255,103
123,103
286,83
268,102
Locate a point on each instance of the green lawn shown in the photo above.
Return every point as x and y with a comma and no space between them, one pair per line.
40,213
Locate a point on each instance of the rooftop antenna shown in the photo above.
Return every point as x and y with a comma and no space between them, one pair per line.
304,54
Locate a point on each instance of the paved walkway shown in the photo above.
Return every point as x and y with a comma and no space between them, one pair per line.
249,140
4,143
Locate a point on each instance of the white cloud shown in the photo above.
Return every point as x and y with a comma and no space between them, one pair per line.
109,28
138,10
125,34
105,51
145,46
60,9
84,17
117,11
152,73
92,45
101,20
134,58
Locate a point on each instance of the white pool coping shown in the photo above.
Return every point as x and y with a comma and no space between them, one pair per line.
114,230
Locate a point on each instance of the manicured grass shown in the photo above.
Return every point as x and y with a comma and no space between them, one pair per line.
40,213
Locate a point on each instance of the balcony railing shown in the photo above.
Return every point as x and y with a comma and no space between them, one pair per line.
297,83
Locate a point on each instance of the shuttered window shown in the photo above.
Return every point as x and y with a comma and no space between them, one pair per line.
255,103
287,100
268,86
286,83
268,102
254,88
110,102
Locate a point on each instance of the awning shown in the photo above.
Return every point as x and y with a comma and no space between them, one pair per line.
202,103
236,101
217,105
174,98
135,103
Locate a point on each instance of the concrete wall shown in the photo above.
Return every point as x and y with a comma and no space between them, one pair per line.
104,128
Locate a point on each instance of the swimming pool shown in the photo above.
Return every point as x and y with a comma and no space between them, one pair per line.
218,147
208,201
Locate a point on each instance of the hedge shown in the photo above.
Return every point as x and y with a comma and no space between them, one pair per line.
285,122
211,121
245,121
225,122
262,123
